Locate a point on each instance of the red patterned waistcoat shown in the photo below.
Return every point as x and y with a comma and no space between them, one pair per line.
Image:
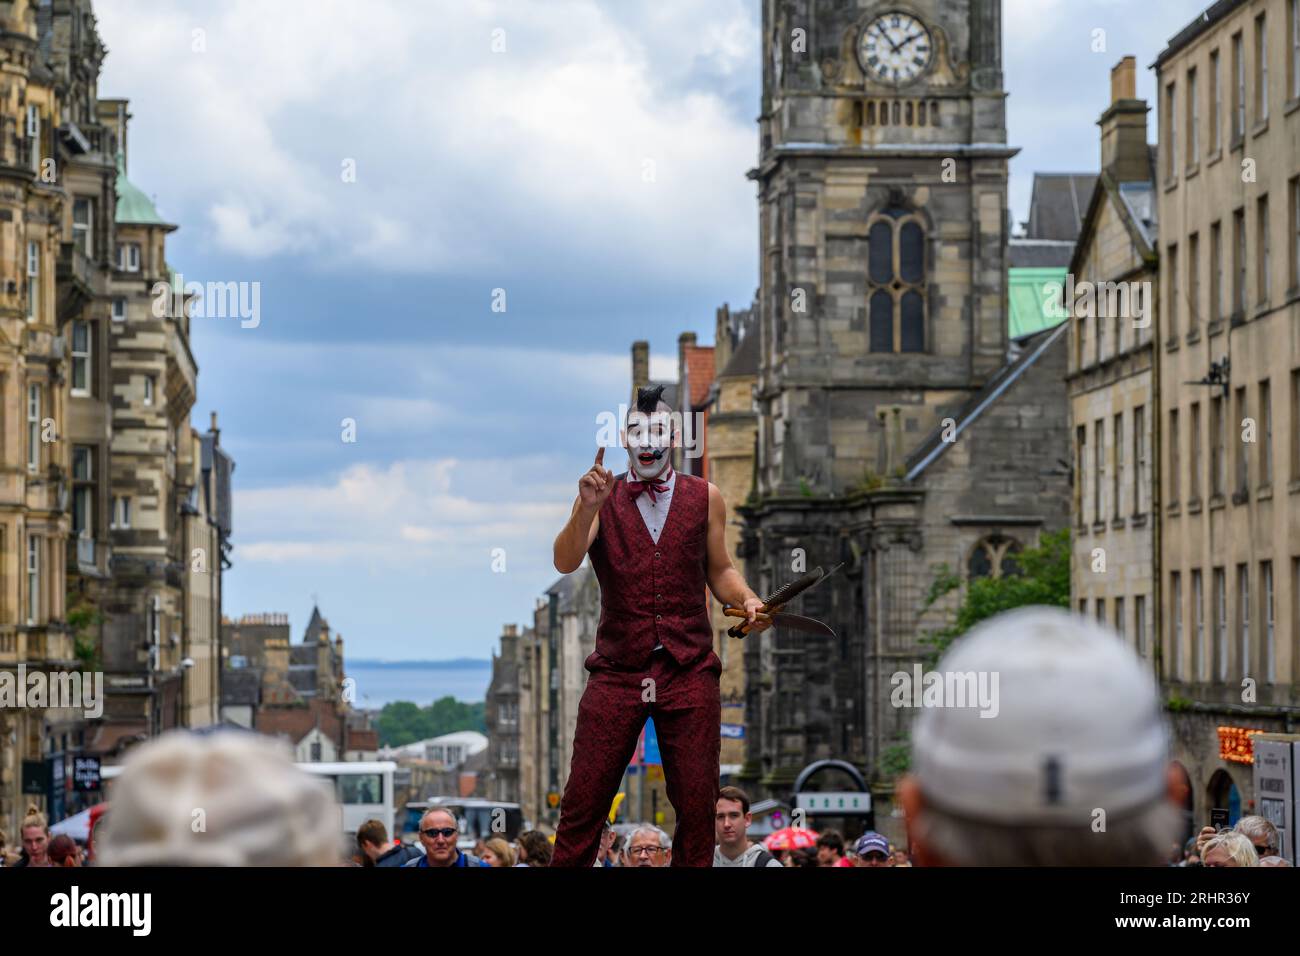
653,593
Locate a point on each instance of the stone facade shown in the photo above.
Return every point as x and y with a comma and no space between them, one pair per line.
1228,185
1111,381
43,277
732,438
899,429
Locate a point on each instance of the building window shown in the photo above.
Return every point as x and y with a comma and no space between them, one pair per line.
33,428
128,257
315,751
1175,462
1101,610
1216,272
1295,429
1171,134
148,390
1173,291
33,579
1238,88
1119,616
1243,618
1263,273
1116,478
896,282
1293,60
83,491
1220,625
1193,282
1099,467
1140,624
33,281
1267,621
119,310
1176,620
1261,69
1139,458
1080,470
83,226
34,136
1243,460
81,366
1193,120
994,557
121,517
1216,102
1218,448
1293,232
1265,435
1198,621
1239,262
1194,455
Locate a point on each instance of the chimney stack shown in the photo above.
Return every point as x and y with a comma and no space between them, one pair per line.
1124,151
640,367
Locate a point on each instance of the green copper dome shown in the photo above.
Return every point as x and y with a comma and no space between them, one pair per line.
133,206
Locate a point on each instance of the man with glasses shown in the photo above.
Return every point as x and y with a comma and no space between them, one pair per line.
438,833
649,846
1261,832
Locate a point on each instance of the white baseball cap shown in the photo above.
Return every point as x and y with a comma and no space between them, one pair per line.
1077,727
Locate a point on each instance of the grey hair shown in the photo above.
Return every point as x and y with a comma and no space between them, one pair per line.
1257,829
1240,850
664,842
1141,838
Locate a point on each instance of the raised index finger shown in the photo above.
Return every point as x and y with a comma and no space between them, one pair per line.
600,454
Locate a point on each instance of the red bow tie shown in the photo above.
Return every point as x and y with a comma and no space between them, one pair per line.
634,488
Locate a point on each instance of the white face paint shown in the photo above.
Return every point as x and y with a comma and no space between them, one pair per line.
646,436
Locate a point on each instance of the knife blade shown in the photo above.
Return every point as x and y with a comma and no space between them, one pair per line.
784,595
785,619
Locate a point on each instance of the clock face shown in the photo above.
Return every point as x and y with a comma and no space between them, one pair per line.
895,48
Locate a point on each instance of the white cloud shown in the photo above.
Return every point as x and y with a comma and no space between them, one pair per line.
396,515
465,159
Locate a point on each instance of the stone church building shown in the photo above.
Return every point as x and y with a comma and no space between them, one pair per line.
900,428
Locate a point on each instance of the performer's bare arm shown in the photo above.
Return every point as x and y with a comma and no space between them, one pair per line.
575,538
726,583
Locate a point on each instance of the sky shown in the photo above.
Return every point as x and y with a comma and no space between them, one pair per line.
458,215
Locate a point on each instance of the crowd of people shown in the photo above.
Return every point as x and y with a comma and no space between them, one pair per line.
1079,730
639,845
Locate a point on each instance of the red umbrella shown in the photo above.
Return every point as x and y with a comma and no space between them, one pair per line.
791,838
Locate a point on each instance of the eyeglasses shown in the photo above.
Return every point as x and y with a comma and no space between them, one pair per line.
445,832
645,850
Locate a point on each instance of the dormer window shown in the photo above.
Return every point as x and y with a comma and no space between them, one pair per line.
128,257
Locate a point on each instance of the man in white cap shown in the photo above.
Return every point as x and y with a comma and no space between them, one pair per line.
1070,768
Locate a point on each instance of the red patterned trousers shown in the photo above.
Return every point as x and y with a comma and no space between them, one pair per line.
687,713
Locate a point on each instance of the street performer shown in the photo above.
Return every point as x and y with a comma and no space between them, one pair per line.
655,543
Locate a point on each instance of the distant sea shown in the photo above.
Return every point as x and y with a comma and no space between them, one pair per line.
420,682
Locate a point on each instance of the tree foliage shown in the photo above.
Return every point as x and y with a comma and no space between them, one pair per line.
402,722
1044,578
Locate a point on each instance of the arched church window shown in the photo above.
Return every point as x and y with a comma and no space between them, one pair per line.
896,275
994,557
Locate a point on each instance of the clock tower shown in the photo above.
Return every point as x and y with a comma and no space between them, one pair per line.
882,187
899,430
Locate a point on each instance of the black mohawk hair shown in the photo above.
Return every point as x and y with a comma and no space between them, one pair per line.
648,398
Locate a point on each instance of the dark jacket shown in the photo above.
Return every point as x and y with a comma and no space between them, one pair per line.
399,855
465,859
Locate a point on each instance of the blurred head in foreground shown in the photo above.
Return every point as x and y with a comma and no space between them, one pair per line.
225,799
1071,769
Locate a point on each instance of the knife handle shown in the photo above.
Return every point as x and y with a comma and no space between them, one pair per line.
741,630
